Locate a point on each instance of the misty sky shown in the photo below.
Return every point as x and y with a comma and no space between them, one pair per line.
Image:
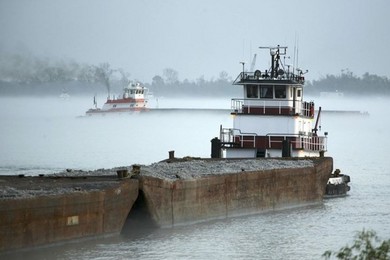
201,37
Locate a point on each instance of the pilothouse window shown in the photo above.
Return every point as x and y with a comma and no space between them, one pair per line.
252,91
280,91
266,92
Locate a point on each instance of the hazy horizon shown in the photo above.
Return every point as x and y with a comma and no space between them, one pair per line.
199,38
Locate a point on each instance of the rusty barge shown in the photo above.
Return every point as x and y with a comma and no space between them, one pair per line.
44,210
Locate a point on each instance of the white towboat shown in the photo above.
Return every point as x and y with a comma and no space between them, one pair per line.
272,120
133,99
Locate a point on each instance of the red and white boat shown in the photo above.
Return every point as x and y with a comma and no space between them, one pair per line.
272,120
133,99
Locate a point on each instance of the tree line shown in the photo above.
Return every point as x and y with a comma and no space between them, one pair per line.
29,75
350,85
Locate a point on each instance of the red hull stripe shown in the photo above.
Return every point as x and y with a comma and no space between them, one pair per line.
116,110
124,101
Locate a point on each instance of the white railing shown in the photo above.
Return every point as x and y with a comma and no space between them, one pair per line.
230,136
237,105
305,142
226,135
314,143
244,76
302,108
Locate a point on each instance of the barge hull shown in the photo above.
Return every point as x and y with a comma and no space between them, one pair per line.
42,220
216,197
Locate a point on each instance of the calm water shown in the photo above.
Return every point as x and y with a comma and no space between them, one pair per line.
47,135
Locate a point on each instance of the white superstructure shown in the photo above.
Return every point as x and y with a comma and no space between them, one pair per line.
272,119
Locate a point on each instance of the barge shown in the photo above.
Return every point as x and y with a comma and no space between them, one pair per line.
42,210
185,191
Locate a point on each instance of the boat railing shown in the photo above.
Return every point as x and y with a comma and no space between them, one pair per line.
231,137
237,105
253,106
234,137
298,141
265,75
272,107
314,143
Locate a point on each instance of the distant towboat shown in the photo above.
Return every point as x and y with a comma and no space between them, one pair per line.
133,100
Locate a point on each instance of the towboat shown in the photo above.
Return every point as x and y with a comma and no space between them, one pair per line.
272,119
133,99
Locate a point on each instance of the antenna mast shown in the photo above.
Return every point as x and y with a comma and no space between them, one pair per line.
275,58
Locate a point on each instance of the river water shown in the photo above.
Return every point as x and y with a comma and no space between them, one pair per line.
49,135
